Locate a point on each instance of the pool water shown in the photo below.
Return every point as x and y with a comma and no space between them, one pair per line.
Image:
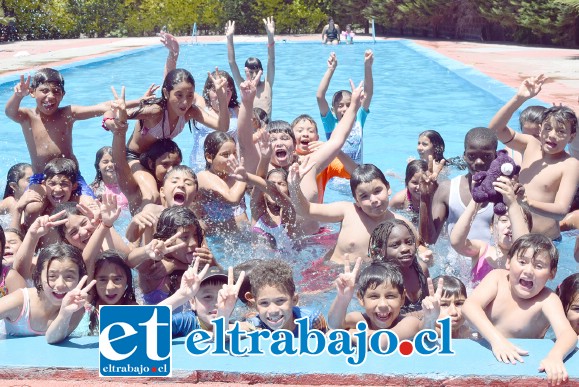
413,92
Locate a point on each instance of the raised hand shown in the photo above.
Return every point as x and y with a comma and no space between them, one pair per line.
109,210
368,58
227,296
157,249
269,25
298,170
248,88
170,42
119,106
150,93
145,219
229,28
428,183
22,89
219,83
204,256
191,280
431,303
92,211
357,94
263,145
237,169
346,281
29,196
43,224
531,86
332,61
505,187
76,298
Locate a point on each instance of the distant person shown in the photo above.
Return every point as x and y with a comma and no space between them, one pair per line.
348,34
331,33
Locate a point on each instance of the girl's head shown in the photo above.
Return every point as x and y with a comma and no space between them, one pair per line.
393,241
370,189
59,268
114,284
219,148
11,239
178,92
17,180
180,219
568,292
260,118
78,228
501,227
162,156
104,166
341,102
305,130
430,142
348,27
279,177
381,293
452,299
283,143
530,120
210,96
414,171
60,180
179,186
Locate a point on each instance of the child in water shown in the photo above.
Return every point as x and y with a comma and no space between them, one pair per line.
17,180
568,292
10,279
105,180
409,198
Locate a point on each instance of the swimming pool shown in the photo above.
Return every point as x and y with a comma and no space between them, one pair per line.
415,90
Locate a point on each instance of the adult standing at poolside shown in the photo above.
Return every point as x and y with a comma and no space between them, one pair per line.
331,33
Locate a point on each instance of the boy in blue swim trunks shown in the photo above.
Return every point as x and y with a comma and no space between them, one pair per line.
340,103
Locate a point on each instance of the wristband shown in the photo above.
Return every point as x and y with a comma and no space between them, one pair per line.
271,44
105,119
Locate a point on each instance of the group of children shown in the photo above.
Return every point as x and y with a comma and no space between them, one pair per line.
62,240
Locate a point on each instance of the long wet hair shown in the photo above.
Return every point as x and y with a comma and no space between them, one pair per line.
568,290
437,142
98,179
60,252
213,142
15,173
413,167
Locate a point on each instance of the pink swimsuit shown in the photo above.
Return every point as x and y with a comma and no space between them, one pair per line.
481,269
21,327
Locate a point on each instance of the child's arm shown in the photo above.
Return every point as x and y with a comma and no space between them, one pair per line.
190,284
519,225
345,287
270,29
433,209
431,304
325,83
73,302
221,123
145,220
13,110
473,310
172,45
227,296
155,250
459,235
517,141
229,31
565,343
247,89
368,79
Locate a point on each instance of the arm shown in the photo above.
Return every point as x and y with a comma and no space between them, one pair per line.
248,89
13,110
433,211
325,83
270,29
368,79
172,45
459,235
519,224
347,162
324,33
142,221
190,284
345,287
229,31
221,123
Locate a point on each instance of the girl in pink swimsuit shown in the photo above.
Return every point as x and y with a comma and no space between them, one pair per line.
105,180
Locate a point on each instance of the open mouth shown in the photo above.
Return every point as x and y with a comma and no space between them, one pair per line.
179,198
383,317
58,296
58,198
281,153
526,284
274,321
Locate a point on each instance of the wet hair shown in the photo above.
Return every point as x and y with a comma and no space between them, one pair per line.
413,168
275,273
184,169
437,142
527,215
562,115
233,101
2,247
174,217
59,252
19,233
365,173
15,173
539,243
378,273
213,142
253,64
47,75
281,171
99,155
61,166
149,158
481,135
305,117
452,287
338,96
71,209
378,243
568,290
261,115
247,267
532,114
280,126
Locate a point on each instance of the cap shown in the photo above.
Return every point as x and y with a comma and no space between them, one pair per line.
214,272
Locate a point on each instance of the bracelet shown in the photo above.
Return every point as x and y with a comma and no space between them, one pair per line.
271,44
105,119
512,138
104,225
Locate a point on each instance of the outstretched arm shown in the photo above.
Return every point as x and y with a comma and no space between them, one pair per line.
433,202
325,83
12,110
172,45
270,29
368,79
459,235
247,89
229,31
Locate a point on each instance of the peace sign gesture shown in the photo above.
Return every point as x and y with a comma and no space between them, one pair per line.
227,296
346,281
428,180
358,95
76,298
431,303
248,88
531,87
119,106
219,82
191,280
157,249
43,224
22,89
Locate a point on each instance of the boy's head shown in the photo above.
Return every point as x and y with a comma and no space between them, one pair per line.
260,118
558,128
480,149
283,143
47,87
162,156
205,301
370,189
381,294
247,267
273,293
530,120
180,219
452,299
179,186
305,131
253,65
341,102
531,261
60,175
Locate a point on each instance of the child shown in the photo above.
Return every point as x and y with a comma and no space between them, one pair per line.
348,34
381,293
430,143
114,285
211,105
515,303
105,180
11,280
394,241
529,123
14,240
17,180
505,230
446,298
548,173
409,198
273,292
54,307
263,98
568,292
340,103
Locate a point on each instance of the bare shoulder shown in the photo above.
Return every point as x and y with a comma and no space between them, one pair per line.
442,192
398,200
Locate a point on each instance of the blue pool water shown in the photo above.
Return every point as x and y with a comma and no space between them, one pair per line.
415,90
